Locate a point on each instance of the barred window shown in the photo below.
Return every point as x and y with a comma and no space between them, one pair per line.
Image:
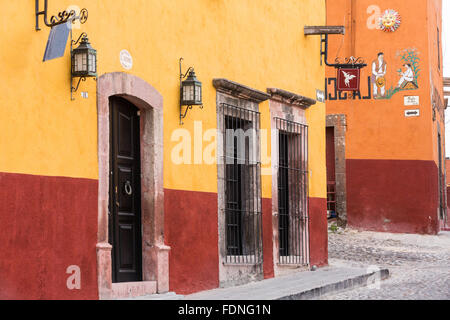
242,185
292,192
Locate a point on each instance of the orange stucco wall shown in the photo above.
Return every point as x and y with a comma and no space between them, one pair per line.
378,129
391,160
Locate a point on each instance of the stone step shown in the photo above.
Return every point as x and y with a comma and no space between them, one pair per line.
164,296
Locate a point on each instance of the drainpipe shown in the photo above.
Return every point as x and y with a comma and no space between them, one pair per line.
353,28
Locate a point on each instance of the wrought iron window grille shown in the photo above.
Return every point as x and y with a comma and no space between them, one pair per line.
243,219
292,178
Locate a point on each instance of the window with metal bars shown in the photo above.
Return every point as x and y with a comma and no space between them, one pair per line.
293,192
242,185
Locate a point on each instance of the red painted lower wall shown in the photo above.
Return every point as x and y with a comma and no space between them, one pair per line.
318,232
393,196
48,224
267,238
191,232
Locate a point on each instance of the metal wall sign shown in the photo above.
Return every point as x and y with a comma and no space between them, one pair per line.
412,113
348,79
126,60
320,95
57,42
412,100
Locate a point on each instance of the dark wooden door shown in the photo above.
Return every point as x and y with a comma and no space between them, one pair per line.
441,180
331,173
125,193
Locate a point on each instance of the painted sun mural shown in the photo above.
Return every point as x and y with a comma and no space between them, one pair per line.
390,21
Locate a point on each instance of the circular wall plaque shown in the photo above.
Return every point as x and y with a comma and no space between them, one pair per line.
390,21
126,60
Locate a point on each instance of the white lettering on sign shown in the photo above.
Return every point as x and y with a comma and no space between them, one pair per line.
126,60
412,113
412,101
320,95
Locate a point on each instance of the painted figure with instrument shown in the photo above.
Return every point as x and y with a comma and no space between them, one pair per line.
379,68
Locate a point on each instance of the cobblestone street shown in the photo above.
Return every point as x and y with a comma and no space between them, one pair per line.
419,265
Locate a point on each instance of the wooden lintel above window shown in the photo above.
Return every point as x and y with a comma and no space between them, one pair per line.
318,30
291,98
239,90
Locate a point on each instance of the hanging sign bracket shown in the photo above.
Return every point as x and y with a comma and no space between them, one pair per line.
324,31
61,17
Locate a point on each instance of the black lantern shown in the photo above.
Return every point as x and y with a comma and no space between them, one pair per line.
84,61
190,92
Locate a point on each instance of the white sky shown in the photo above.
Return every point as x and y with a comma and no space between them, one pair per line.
446,48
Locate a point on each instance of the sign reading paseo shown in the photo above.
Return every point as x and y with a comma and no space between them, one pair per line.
412,100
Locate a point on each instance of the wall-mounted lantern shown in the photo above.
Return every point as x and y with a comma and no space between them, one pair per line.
190,92
84,61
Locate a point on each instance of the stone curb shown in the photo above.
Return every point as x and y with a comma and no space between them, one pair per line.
351,282
356,282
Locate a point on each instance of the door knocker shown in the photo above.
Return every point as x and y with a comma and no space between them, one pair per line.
128,188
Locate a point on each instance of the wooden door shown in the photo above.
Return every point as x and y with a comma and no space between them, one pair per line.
125,192
331,173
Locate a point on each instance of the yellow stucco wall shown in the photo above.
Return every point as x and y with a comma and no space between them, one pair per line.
256,43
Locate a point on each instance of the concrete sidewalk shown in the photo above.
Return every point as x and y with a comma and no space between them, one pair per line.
298,286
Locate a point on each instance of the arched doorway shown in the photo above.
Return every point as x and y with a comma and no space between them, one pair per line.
125,222
153,277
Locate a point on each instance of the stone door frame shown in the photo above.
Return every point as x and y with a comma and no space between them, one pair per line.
339,123
291,107
155,254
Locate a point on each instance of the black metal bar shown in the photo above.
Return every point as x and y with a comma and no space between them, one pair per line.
349,64
306,199
75,89
242,210
73,43
60,18
292,192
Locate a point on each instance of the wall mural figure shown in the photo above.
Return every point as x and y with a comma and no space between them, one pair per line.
376,82
409,77
379,69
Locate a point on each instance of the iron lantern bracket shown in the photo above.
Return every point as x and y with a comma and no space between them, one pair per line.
62,17
184,113
73,88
